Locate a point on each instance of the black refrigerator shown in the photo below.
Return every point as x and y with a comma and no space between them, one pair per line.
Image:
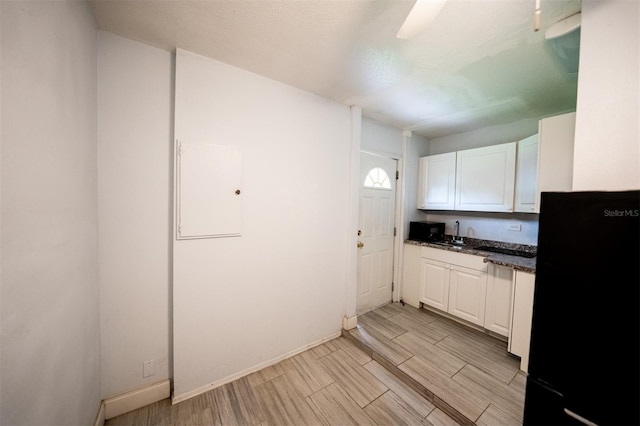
583,360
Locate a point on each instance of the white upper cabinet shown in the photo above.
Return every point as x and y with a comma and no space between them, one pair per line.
437,182
485,178
526,175
555,154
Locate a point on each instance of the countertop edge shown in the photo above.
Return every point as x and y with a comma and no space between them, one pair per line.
516,265
523,264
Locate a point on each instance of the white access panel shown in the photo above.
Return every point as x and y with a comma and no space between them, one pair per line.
208,193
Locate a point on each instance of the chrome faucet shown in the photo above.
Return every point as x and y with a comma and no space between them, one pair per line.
457,239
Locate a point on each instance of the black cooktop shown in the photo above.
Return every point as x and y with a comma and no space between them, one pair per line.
511,252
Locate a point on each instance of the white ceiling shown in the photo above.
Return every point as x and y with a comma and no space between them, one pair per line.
479,64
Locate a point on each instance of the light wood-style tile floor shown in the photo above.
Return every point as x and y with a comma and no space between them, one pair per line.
464,372
335,383
401,366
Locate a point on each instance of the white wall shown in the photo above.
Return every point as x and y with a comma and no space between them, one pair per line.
135,102
484,137
50,348
607,145
241,302
416,146
380,138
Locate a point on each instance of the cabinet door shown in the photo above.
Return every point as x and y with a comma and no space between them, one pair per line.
555,160
497,315
526,175
467,294
410,290
434,283
522,315
485,178
436,182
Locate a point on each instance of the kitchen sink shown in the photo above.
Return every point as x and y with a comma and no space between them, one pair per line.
501,250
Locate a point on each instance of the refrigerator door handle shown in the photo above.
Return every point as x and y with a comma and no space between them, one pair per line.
579,418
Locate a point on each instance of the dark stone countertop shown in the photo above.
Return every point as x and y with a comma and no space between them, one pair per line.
525,264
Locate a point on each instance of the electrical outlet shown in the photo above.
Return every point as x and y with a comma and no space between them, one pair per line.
149,368
514,227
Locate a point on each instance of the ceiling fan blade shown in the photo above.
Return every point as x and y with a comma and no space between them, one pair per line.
419,18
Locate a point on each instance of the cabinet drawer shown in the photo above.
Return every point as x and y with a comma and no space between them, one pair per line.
461,259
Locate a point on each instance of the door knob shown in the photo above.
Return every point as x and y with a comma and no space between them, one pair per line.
360,244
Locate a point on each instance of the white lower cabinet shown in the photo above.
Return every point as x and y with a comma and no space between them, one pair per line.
497,298
434,283
467,294
497,316
520,336
455,283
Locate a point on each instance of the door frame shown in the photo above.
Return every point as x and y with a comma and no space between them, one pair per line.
350,319
397,239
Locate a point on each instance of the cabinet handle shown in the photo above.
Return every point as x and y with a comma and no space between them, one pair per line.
237,192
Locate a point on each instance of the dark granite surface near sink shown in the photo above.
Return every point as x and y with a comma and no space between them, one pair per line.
525,264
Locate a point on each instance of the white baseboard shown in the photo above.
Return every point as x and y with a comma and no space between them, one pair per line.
135,399
187,395
100,418
349,323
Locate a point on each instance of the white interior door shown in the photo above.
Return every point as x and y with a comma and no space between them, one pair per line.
376,229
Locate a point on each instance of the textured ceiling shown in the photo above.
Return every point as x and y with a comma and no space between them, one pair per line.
479,64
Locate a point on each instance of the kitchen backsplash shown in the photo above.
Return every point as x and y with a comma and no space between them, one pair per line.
492,226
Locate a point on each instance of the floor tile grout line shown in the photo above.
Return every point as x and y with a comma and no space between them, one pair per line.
391,390
462,361
347,395
484,411
479,367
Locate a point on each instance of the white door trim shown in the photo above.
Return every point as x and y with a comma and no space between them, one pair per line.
400,216
399,241
350,318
